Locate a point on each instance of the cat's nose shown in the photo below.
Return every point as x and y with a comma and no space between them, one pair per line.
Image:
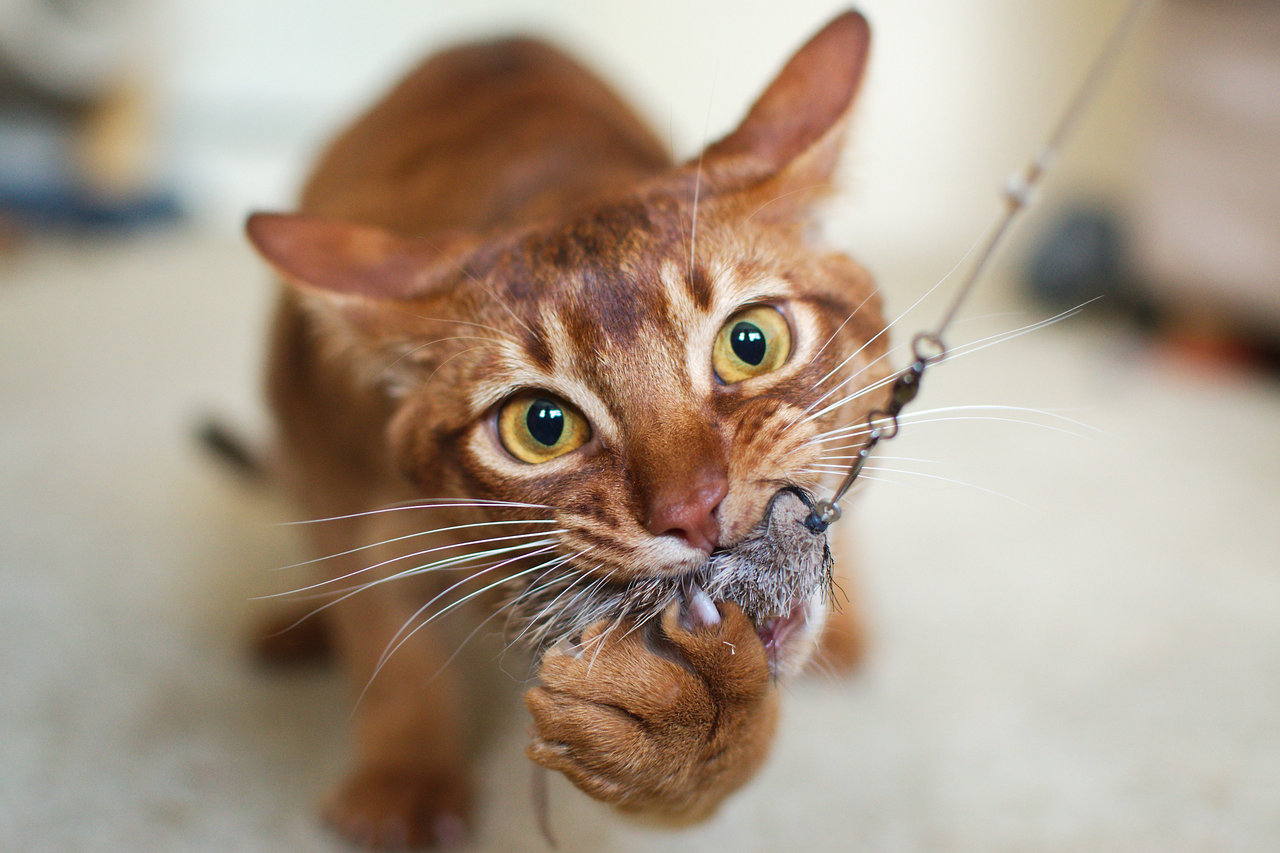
686,509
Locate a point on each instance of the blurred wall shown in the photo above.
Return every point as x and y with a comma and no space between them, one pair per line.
960,91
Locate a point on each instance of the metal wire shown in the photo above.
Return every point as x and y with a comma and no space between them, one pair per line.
1018,193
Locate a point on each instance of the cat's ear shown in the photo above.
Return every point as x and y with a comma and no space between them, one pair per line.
350,263
790,140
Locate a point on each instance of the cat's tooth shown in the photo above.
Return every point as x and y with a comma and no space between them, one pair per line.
568,647
703,608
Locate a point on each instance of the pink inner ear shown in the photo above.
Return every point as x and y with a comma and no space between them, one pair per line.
808,99
343,258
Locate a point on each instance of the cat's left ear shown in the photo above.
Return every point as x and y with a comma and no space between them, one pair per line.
789,143
347,263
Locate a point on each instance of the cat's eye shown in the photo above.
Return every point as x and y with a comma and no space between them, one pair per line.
536,427
754,342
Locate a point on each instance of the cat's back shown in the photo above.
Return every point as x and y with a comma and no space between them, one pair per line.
480,135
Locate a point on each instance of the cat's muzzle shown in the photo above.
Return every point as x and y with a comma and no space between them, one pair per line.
779,566
778,574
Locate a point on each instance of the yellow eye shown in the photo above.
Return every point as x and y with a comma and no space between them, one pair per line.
754,342
537,428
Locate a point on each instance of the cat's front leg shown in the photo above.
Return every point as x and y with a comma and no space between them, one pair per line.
410,783
665,724
409,786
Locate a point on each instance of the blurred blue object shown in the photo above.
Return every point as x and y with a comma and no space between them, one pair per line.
40,184
1082,258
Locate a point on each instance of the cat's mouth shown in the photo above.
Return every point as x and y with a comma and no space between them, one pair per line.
786,637
776,630
780,575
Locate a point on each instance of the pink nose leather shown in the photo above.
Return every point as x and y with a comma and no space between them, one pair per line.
687,509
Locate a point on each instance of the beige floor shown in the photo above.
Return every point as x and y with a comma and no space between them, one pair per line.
1090,662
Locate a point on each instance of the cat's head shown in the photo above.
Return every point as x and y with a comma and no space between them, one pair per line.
652,368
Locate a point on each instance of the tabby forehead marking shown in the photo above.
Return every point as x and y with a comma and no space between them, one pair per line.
698,284
540,349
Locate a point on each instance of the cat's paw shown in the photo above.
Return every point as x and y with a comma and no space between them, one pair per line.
396,808
666,724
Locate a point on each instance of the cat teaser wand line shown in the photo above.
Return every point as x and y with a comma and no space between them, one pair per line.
928,347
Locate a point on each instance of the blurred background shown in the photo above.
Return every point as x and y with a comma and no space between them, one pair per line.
1070,571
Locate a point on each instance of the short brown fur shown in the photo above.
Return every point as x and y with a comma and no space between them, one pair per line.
500,221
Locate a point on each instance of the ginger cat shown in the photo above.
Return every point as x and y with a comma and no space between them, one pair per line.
501,326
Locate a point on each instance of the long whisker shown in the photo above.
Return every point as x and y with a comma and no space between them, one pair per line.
483,326
839,328
951,481
433,566
415,535
958,352
830,456
531,591
420,347
862,429
930,415
781,196
440,366
552,564
889,326
606,634
545,625
423,503
458,561
495,297
402,636
992,340
697,178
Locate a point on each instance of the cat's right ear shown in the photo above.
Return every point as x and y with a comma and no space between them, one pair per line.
789,143
353,264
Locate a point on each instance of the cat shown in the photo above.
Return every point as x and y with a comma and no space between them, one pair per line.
511,321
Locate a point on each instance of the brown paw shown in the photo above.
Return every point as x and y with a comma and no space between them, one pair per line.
291,639
667,722
388,808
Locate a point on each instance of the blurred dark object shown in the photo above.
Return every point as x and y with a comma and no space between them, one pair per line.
1206,222
1081,259
76,139
229,447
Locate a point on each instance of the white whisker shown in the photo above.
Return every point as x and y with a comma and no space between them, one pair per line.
392,649
535,588
951,481
427,503
887,327
404,633
953,354
486,328
415,535
460,560
433,566
832,336
697,178
420,347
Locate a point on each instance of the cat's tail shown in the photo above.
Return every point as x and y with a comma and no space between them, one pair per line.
228,446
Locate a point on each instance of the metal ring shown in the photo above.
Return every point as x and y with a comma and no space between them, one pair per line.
932,339
877,433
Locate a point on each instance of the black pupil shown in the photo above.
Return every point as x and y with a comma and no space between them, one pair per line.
546,422
748,342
